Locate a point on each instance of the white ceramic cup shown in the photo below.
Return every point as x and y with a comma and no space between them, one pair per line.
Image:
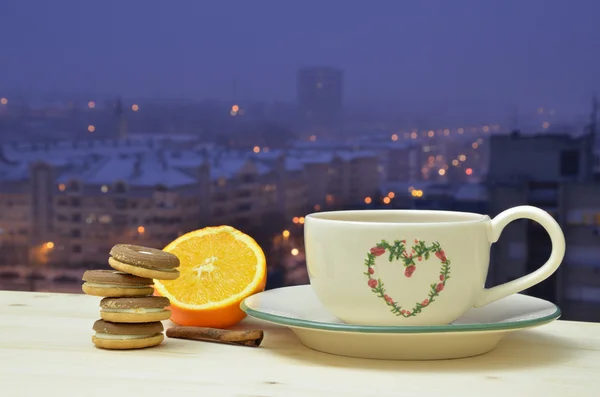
413,267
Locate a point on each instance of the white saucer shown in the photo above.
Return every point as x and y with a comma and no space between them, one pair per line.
477,332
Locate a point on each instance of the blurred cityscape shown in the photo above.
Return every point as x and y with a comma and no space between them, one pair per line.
82,172
67,197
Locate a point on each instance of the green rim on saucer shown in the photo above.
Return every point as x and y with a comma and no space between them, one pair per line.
480,327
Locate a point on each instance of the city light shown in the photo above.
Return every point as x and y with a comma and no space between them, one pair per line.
438,157
104,189
135,107
417,193
295,251
49,245
442,171
301,220
413,135
317,207
462,157
475,145
391,195
141,229
313,138
455,162
266,149
62,187
461,130
411,188
431,134
368,200
486,128
469,171
295,219
546,125
104,219
394,137
386,200
91,128
91,104
286,233
446,132
256,149
235,108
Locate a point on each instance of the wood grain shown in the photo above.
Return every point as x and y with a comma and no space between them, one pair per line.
46,349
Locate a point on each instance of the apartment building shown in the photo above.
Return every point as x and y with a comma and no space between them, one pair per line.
242,191
580,282
542,157
15,214
552,172
339,177
68,203
131,199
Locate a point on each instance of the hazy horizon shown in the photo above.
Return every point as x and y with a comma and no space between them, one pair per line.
463,53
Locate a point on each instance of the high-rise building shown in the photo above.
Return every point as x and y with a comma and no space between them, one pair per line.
320,96
552,172
595,131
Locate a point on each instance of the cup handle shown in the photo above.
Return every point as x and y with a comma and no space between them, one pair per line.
557,238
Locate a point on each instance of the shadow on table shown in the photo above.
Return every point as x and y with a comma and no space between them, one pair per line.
528,349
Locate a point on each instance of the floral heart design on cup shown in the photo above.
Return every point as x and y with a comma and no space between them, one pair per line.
400,251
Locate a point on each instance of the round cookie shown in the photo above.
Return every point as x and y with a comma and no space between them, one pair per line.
158,274
116,291
128,344
120,336
143,256
115,284
135,309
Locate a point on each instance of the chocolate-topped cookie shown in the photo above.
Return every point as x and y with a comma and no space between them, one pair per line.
144,261
111,283
120,336
135,309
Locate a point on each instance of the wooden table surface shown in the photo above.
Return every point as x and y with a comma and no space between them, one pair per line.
46,350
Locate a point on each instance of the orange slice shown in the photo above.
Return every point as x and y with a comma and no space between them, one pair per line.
219,267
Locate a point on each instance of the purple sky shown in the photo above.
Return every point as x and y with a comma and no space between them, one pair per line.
538,51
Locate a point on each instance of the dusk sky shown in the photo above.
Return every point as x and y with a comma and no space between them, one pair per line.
525,51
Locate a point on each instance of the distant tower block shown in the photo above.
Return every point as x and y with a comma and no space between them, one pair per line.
320,94
595,133
121,120
594,123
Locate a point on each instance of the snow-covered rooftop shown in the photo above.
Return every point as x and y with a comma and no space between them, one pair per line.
147,162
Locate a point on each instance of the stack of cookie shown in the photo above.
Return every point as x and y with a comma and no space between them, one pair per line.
130,316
